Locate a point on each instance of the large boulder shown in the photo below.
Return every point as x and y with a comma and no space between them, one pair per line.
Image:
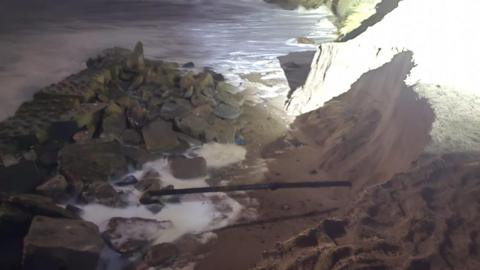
137,156
93,161
221,131
57,244
196,122
227,111
204,80
159,136
187,81
202,124
36,205
150,180
173,108
188,168
127,235
114,123
227,97
101,193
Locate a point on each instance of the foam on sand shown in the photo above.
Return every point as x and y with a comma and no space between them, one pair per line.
221,155
192,214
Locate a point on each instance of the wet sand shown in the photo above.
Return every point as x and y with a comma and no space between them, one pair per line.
354,137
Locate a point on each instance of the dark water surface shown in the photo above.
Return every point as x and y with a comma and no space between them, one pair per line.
43,41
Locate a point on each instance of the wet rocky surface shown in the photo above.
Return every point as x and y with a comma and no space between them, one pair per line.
76,139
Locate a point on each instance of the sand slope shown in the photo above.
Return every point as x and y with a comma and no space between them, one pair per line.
408,209
427,218
371,132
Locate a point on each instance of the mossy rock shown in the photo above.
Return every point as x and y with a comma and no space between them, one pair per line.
83,86
86,115
113,108
187,81
93,161
204,80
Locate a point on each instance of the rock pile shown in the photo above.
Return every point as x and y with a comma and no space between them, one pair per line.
78,135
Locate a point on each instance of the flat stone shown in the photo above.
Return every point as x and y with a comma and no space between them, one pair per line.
188,168
37,205
221,131
175,108
229,98
53,243
227,111
137,156
190,141
93,161
193,125
55,188
150,180
159,136
113,126
163,254
127,235
101,193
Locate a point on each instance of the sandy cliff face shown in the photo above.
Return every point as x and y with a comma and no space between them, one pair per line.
349,13
368,134
405,135
444,67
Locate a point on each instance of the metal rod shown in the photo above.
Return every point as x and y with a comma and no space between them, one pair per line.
263,186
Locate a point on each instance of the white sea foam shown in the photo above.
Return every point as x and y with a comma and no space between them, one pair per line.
221,155
196,214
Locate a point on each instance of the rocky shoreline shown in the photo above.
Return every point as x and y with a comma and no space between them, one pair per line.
76,139
94,145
